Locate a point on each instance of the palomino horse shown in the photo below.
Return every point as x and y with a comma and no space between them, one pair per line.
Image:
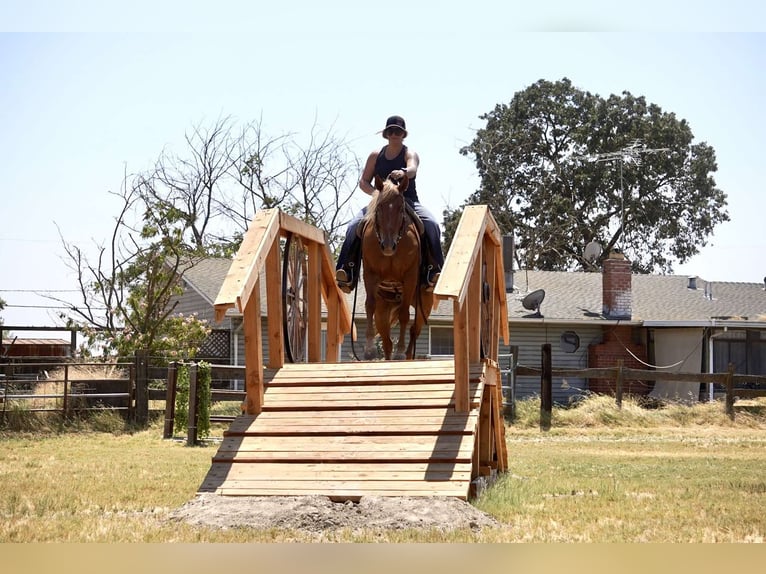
391,269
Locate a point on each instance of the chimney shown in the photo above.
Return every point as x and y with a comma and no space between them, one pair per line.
508,262
617,298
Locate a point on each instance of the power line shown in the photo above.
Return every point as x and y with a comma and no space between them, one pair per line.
39,291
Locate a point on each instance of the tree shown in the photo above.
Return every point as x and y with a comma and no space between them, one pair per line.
561,167
194,204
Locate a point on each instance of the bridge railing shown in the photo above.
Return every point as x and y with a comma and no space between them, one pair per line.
260,255
474,280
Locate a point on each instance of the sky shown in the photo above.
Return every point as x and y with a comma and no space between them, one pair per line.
92,89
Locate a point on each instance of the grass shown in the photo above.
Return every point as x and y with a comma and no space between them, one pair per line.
600,474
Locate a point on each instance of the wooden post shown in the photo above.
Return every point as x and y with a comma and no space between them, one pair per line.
142,387
253,353
170,400
546,388
65,406
191,434
729,383
462,399
509,411
618,384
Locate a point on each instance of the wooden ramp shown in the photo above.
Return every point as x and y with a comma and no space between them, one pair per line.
347,430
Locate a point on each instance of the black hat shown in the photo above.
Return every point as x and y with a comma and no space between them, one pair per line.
395,122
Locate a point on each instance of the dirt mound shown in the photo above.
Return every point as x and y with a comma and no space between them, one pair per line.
319,514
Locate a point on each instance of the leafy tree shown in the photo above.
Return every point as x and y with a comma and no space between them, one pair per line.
561,167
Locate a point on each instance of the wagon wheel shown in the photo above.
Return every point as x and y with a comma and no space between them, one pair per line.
485,325
294,298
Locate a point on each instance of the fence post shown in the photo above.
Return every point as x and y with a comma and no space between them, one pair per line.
510,398
170,400
65,405
142,387
191,434
618,385
546,388
729,383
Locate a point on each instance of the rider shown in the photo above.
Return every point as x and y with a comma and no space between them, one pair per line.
394,159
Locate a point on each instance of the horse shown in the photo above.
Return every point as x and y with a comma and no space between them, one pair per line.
391,252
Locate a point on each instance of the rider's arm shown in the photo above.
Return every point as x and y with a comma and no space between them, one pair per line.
365,182
413,161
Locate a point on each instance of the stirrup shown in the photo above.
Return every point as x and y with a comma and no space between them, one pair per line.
344,281
431,280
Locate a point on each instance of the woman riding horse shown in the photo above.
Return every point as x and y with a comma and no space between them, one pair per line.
391,252
395,160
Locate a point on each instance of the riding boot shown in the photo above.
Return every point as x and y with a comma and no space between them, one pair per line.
347,273
429,269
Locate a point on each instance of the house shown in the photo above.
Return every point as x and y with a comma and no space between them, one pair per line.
668,322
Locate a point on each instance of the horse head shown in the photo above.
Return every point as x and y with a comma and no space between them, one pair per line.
387,213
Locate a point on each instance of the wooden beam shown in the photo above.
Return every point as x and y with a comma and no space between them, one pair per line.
253,353
473,304
459,331
314,278
291,224
274,308
462,256
246,266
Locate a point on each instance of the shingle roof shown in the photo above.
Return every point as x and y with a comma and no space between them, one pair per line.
655,298
572,296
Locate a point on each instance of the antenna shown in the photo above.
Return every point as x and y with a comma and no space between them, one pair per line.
592,251
631,153
533,301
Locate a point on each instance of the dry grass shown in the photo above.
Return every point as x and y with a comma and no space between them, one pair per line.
679,474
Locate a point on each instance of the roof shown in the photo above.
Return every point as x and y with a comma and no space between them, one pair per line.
657,300
207,275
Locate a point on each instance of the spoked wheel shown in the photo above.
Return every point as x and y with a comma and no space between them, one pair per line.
295,298
485,326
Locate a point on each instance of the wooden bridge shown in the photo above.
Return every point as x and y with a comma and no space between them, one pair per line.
350,429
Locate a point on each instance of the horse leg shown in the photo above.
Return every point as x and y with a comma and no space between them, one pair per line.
422,311
404,319
370,352
384,328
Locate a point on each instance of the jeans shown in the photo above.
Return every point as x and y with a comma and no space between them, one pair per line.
430,225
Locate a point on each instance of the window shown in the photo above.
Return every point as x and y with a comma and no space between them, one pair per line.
746,350
441,341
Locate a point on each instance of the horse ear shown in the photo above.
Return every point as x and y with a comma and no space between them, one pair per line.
378,183
404,183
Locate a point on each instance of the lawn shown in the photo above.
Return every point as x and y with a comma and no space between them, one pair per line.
601,474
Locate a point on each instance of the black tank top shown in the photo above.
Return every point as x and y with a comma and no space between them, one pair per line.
384,166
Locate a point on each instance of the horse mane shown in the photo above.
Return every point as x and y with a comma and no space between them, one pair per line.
383,196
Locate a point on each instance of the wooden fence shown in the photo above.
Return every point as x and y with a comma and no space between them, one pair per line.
732,383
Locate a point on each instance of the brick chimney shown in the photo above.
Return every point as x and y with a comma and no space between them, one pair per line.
617,298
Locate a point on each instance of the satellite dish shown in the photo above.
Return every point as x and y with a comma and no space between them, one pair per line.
592,251
533,300
570,341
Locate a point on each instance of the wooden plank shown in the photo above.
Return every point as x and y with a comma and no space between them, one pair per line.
452,443
378,455
463,254
290,224
246,266
340,471
473,306
348,494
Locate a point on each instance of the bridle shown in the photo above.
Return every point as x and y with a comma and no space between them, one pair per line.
402,226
